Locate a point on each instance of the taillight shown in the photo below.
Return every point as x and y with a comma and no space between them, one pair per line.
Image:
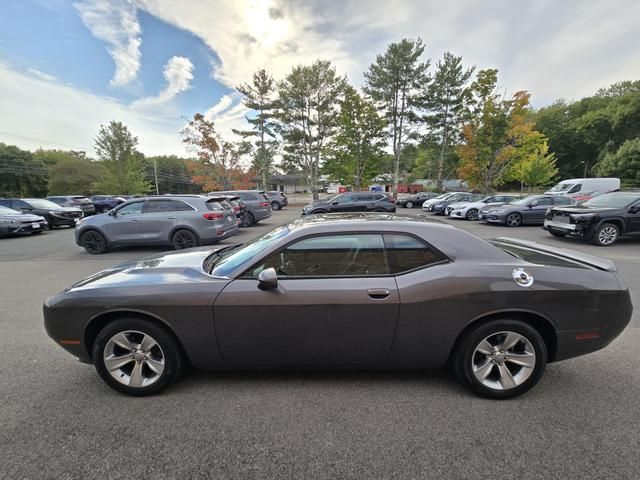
264,204
213,216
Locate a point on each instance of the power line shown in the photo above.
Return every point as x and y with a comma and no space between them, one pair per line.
37,139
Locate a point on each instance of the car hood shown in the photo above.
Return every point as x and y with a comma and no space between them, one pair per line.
173,267
62,209
21,217
584,209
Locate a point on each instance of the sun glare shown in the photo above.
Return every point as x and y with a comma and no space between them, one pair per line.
265,22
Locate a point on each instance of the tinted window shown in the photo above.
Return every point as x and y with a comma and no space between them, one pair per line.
562,201
5,203
365,198
576,188
543,201
343,198
330,256
18,204
407,253
247,196
131,209
160,206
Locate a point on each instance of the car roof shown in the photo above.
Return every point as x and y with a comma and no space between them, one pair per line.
365,221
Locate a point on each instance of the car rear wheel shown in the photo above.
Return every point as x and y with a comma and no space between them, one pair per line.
513,220
184,239
94,242
472,214
409,205
275,206
137,357
247,220
501,359
607,234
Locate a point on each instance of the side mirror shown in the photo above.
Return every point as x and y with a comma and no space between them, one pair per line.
268,279
111,213
532,204
334,203
634,209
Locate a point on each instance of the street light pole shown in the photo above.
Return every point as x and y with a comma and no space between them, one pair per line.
155,176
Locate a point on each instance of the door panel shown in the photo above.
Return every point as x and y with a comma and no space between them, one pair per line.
312,321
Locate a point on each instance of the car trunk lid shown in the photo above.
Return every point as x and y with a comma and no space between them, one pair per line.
564,253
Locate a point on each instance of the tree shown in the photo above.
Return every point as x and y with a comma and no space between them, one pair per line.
73,174
219,164
20,174
356,150
534,165
309,116
123,170
172,174
446,100
623,163
396,81
259,97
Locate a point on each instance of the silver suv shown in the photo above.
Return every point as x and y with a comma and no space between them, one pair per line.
181,221
257,203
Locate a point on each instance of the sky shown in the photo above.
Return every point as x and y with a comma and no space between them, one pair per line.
68,66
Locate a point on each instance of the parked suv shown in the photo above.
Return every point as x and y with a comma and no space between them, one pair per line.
54,214
600,220
104,203
78,201
278,200
440,207
181,221
352,202
257,203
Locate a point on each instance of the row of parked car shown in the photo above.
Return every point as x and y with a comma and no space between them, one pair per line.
600,220
181,221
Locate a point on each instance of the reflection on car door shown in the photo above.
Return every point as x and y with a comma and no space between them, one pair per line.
536,213
125,225
330,308
159,217
633,217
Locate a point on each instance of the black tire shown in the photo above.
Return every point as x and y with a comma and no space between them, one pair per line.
248,219
275,206
606,235
378,210
319,211
409,205
183,238
513,220
94,242
466,355
51,225
472,214
167,349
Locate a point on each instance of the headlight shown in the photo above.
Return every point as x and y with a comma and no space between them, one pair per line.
438,205
582,217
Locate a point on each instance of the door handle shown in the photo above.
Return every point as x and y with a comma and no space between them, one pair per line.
378,293
171,218
134,220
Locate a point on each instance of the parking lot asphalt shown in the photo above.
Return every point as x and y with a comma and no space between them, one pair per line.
59,420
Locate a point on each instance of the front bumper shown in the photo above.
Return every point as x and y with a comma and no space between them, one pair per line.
579,230
25,227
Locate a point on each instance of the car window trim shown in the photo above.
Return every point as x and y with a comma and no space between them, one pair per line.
445,258
126,204
152,200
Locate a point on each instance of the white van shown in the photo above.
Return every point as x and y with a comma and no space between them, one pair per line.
579,186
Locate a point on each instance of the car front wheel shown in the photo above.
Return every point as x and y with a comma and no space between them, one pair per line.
513,220
137,357
94,242
607,234
409,205
472,214
501,359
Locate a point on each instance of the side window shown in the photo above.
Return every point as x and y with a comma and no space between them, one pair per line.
561,201
131,209
544,201
347,198
162,206
576,188
365,197
246,196
407,253
18,204
330,256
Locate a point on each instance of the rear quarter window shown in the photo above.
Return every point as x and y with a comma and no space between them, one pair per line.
406,253
538,258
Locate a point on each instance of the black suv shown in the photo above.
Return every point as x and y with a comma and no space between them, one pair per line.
600,220
54,214
352,202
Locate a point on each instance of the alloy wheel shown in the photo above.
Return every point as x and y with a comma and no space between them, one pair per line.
607,235
93,242
513,220
503,360
134,359
184,239
409,205
472,214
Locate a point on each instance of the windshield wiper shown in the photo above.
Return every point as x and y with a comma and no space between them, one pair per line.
212,259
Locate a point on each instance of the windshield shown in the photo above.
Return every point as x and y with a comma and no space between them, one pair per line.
230,259
38,203
7,211
613,200
561,187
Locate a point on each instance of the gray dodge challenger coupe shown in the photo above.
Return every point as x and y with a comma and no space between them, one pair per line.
345,291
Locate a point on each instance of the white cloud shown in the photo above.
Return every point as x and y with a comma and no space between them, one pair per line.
40,74
228,114
48,114
178,73
116,23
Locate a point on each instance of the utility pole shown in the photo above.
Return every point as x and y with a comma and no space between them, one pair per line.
155,176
